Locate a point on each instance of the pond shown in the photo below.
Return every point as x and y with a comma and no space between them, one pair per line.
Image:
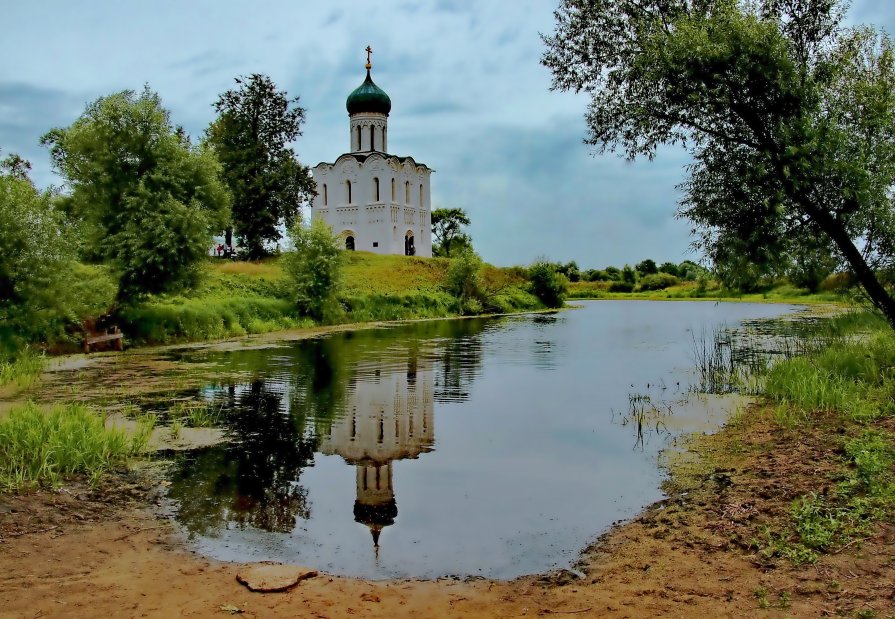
485,447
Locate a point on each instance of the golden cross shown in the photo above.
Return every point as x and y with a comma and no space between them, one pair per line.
369,51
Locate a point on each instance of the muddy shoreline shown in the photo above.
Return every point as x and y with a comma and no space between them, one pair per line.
74,552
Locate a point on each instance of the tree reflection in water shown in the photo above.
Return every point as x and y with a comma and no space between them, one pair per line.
367,396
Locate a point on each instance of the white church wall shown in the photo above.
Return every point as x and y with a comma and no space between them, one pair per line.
378,226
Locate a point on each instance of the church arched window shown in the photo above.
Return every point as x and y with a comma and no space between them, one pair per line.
375,189
325,196
421,195
372,138
394,197
407,193
348,190
358,138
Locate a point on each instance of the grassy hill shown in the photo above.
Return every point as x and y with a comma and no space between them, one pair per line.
237,298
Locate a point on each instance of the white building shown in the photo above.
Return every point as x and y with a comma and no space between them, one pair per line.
376,201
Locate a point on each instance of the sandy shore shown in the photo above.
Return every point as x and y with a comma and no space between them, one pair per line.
78,553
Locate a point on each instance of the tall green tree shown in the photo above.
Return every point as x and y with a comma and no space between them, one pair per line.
255,125
788,117
145,197
43,291
33,253
647,267
447,231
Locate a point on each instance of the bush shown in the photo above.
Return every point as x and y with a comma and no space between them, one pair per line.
548,285
690,271
315,267
670,268
658,281
647,267
464,281
837,282
161,246
621,287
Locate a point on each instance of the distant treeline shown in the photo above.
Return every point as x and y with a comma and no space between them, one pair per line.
645,275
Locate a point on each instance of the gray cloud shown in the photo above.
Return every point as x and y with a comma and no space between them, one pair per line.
26,113
430,108
469,98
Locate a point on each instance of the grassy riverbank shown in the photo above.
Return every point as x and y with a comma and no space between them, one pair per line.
692,291
807,472
238,298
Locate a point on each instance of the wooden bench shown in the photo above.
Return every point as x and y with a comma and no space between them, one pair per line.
112,335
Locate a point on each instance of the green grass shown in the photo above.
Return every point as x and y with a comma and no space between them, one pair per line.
195,414
22,371
43,448
239,298
847,388
851,377
865,495
368,274
692,291
208,317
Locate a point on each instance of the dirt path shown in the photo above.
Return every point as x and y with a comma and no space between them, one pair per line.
75,553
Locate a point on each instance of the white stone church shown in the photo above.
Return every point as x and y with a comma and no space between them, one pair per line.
376,201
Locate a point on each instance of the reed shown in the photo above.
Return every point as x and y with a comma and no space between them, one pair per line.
196,414
22,371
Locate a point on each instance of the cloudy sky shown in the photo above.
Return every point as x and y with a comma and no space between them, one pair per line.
469,98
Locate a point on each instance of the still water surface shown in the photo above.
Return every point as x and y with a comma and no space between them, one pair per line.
494,447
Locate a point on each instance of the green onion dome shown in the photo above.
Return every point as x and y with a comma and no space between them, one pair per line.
368,97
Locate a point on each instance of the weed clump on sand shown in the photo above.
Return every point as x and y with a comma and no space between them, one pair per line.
44,447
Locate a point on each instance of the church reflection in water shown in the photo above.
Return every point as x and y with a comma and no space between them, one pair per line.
367,397
389,417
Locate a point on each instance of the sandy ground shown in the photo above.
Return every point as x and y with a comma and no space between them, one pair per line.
74,553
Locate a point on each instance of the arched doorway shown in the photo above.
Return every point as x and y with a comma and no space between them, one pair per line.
349,243
409,248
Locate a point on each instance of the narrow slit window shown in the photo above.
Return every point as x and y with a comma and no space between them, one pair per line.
372,138
375,190
393,190
407,192
421,196
358,138
325,195
348,187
